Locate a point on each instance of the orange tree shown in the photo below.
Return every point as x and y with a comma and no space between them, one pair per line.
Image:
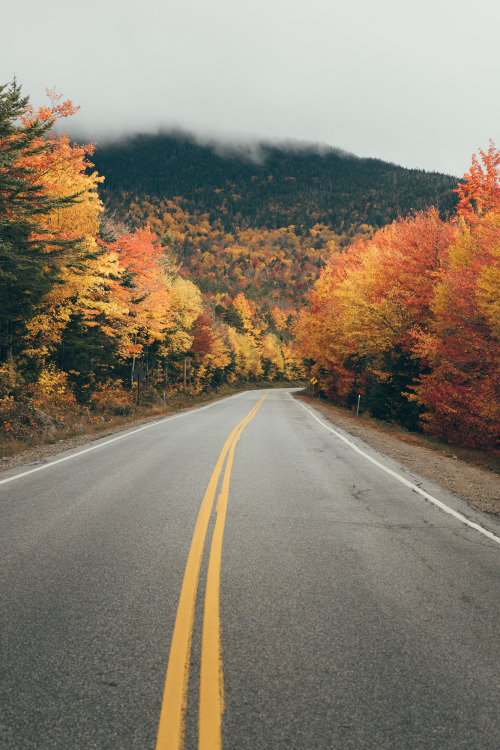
461,347
366,307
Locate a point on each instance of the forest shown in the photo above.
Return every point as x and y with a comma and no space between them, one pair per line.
158,266
267,185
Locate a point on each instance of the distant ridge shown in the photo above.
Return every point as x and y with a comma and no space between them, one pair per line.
263,184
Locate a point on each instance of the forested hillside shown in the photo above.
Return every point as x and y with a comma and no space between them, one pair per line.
261,220
404,315
268,186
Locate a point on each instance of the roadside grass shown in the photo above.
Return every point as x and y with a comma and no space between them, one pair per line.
490,461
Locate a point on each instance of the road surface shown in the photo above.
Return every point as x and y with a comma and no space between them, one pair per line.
281,585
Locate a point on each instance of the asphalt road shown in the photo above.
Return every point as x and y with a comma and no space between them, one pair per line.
354,613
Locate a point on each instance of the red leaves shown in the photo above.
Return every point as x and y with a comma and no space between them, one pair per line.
203,338
481,191
430,289
139,252
461,394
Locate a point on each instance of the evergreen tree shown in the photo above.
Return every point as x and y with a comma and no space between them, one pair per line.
28,252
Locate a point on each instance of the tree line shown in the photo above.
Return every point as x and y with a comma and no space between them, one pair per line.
408,321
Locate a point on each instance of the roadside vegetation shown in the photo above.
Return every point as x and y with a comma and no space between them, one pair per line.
408,321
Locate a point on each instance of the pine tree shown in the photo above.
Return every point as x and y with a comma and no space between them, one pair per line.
27,250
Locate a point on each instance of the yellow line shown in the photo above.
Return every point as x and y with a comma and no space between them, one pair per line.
211,675
173,711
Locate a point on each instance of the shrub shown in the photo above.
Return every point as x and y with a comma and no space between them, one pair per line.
111,396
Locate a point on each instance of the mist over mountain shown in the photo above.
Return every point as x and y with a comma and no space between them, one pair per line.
264,184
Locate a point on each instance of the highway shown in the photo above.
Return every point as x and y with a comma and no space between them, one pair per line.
244,576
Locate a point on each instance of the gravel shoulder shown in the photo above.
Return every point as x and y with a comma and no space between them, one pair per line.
474,484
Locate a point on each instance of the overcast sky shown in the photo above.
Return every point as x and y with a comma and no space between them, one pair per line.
413,82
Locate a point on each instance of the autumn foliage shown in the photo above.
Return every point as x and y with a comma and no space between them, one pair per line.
104,301
410,319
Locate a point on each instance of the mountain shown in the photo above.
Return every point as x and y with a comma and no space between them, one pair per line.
267,185
260,218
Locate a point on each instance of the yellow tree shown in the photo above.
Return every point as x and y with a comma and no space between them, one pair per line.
186,306
145,292
86,283
273,363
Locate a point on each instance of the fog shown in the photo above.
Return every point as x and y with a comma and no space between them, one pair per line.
414,84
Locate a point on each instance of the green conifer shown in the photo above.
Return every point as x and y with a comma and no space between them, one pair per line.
27,270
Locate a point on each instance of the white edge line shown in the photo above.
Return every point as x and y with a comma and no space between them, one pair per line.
122,435
401,479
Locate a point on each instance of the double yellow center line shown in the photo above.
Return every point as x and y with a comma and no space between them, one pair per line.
211,704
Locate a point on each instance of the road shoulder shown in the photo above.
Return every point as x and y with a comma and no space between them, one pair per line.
477,486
